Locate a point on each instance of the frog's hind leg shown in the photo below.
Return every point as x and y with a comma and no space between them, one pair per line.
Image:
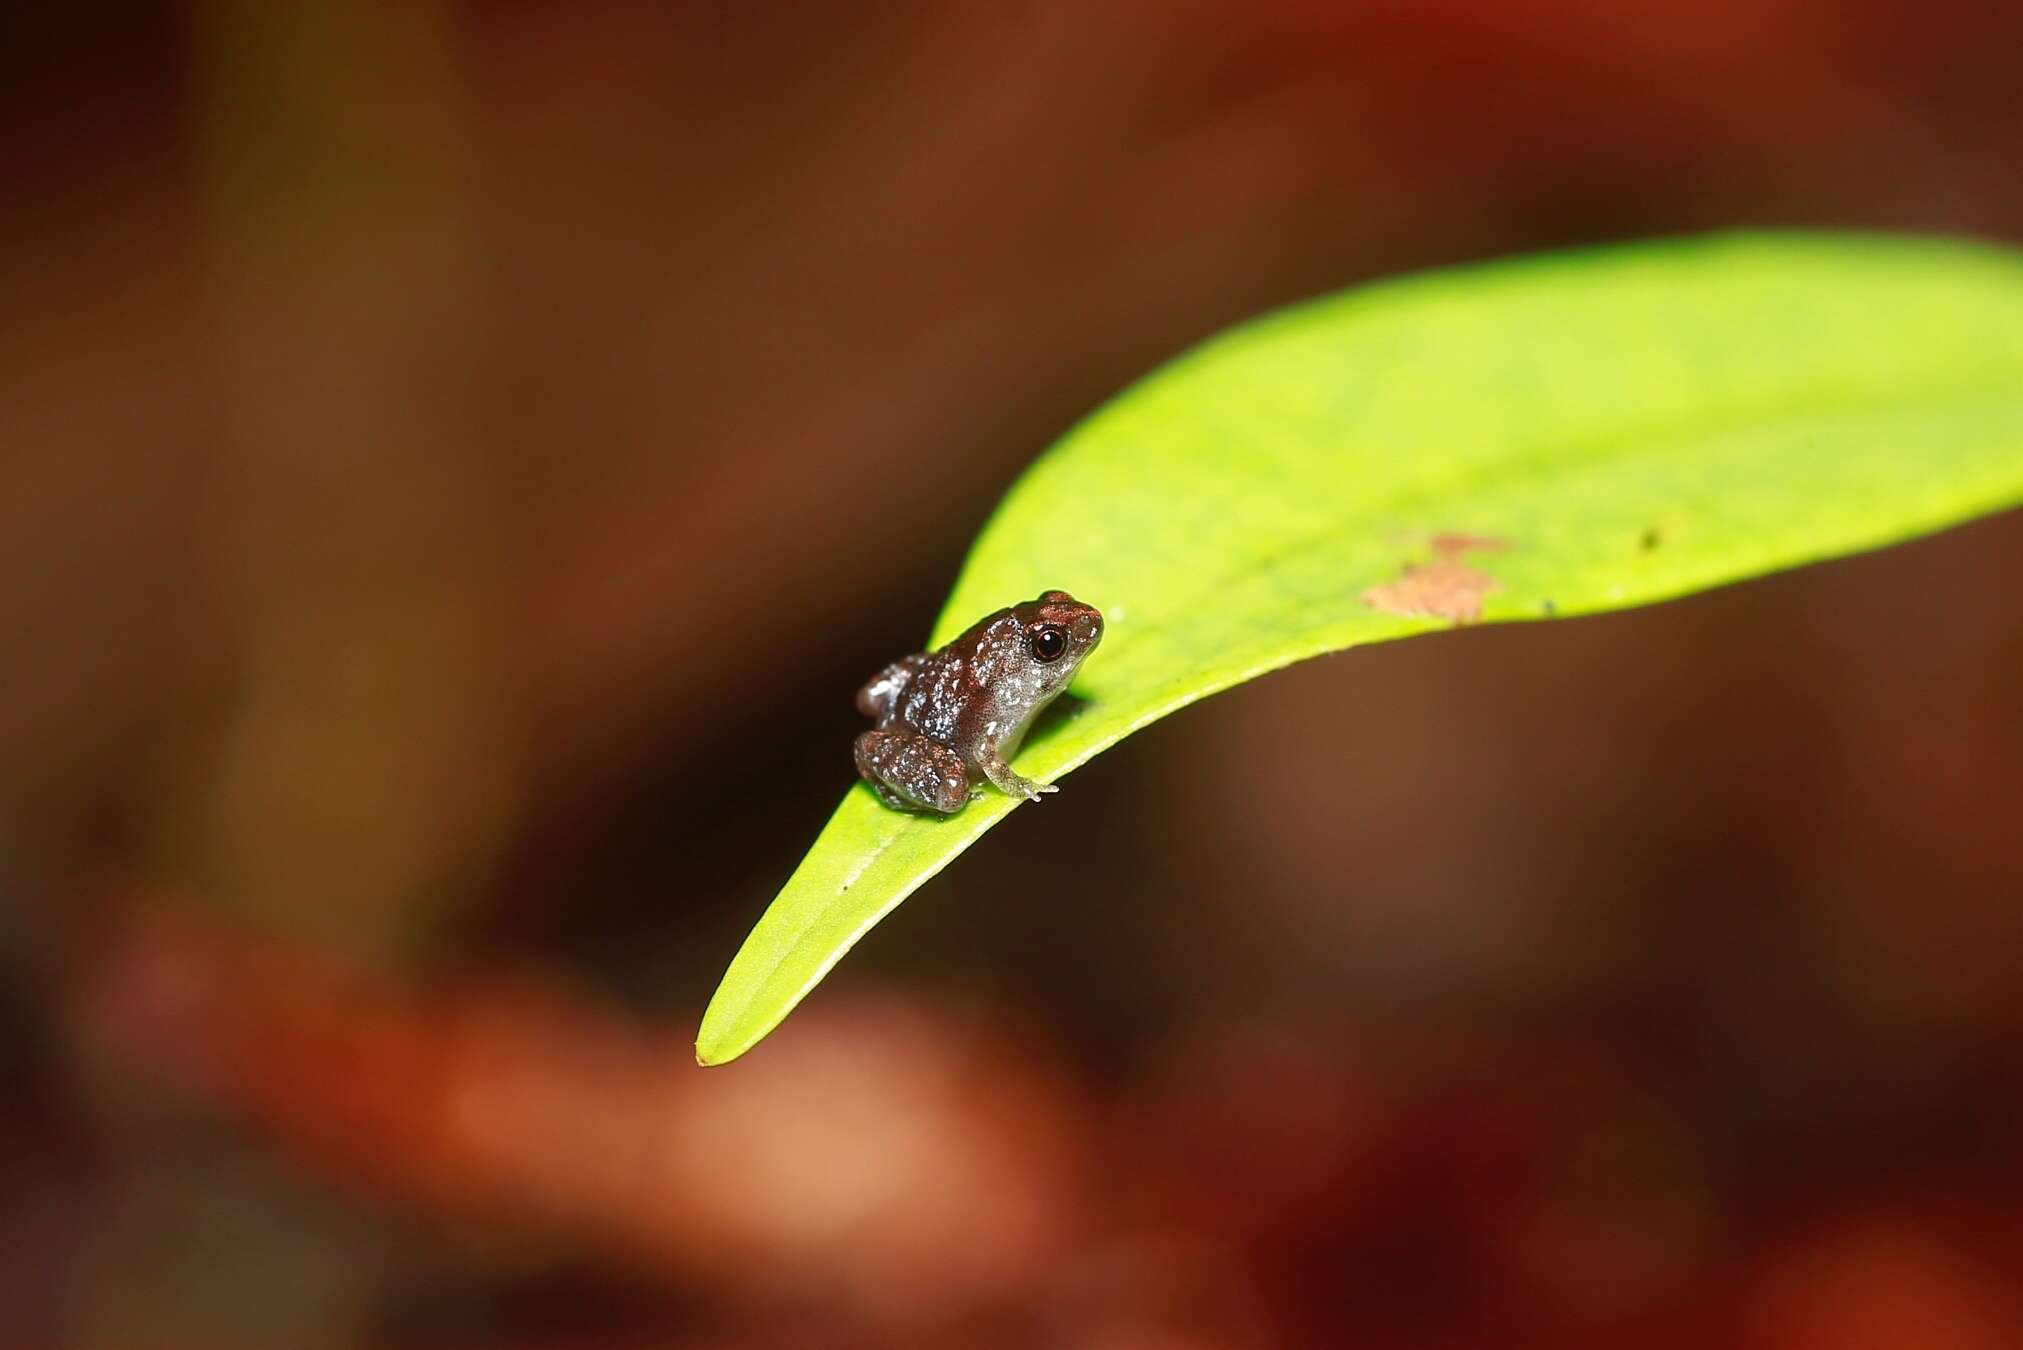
882,690
913,773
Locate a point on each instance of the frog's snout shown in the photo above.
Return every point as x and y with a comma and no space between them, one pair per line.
1088,626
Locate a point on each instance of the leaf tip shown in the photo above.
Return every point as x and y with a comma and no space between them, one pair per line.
717,1044
710,1052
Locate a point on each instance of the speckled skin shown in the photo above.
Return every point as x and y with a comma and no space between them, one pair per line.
950,719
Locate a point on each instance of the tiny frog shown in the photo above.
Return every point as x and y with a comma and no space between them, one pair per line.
951,718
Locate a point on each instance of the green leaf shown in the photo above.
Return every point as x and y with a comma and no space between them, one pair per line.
1633,423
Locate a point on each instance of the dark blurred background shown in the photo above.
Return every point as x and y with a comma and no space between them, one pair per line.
457,463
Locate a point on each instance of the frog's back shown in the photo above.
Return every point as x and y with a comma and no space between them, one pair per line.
933,699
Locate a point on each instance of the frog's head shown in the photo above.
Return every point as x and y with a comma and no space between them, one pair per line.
1057,634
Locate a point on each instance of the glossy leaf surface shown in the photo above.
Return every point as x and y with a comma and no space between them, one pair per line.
1545,437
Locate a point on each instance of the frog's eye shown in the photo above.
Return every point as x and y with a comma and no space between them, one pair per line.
1048,642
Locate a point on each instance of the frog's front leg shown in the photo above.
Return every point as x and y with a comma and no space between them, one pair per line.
1005,780
912,772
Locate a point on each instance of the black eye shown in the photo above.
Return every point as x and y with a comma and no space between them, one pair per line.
1049,642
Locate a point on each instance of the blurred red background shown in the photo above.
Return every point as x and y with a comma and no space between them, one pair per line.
456,465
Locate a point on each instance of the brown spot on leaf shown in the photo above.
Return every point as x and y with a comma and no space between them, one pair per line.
1445,588
1447,545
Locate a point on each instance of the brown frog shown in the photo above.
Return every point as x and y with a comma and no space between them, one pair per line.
949,719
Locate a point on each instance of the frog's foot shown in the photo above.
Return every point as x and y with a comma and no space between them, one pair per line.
1011,784
893,799
913,773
